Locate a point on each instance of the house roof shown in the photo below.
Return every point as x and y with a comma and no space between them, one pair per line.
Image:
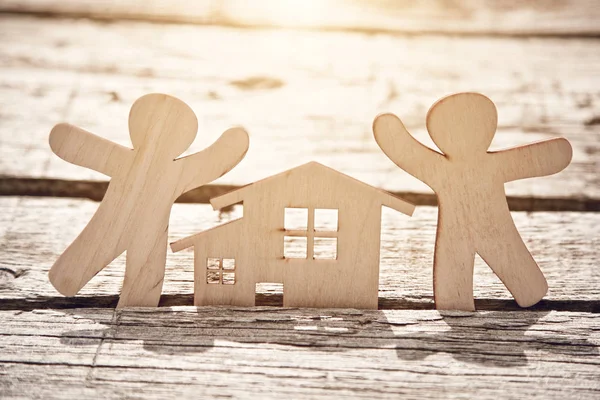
190,240
311,169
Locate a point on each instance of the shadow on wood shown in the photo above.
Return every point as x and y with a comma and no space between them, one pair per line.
493,339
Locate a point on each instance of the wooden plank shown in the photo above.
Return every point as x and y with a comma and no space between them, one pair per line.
269,352
37,230
500,17
296,107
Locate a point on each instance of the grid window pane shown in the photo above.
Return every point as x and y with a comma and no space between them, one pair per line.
228,263
325,248
295,219
228,278
294,247
326,220
212,277
213,263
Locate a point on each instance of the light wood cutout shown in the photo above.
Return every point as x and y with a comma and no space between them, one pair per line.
469,182
146,180
332,234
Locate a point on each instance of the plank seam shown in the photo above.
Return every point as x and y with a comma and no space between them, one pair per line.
94,190
171,300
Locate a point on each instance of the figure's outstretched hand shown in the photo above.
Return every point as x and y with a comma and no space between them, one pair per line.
214,161
536,159
83,148
404,150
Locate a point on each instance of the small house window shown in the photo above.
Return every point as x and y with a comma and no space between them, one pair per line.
310,233
220,271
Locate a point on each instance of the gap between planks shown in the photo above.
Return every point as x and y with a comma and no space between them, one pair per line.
274,301
94,190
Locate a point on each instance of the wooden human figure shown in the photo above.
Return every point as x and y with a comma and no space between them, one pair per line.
469,182
146,180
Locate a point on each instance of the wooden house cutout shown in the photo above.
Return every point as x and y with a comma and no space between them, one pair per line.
330,258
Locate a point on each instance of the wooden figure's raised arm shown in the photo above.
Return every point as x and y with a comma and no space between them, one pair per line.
83,148
214,161
404,150
536,159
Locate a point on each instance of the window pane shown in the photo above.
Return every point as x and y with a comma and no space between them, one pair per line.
296,219
228,263
228,278
326,220
213,263
325,248
212,277
294,247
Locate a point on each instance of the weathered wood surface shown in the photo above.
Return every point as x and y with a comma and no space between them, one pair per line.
296,107
268,353
498,17
36,231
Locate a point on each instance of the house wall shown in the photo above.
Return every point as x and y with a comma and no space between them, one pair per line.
225,242
351,280
256,241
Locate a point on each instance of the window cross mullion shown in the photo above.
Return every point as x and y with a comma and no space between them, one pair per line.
220,271
310,234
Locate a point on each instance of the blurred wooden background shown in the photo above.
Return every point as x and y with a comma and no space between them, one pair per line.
306,78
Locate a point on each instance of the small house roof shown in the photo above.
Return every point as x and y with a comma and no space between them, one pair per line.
311,169
189,241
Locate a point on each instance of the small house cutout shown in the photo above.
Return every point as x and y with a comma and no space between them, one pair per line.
328,257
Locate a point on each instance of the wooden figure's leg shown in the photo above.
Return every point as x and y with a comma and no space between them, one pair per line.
89,253
453,264
144,274
511,261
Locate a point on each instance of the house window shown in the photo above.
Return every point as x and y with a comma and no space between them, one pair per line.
325,248
220,271
296,219
295,246
310,233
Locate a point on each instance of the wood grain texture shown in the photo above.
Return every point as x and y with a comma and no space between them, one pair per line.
317,111
311,228
474,217
269,352
504,17
69,70
133,216
36,231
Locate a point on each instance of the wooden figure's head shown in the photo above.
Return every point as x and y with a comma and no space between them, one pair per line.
159,121
462,124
